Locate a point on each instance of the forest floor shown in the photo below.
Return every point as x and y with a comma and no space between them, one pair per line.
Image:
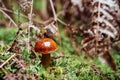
68,67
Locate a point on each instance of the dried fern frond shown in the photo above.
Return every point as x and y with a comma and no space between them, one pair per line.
104,26
78,3
106,57
104,14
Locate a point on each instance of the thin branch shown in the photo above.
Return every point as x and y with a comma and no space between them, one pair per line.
62,22
30,15
30,23
55,19
42,23
4,70
15,40
8,17
17,33
53,10
4,9
7,60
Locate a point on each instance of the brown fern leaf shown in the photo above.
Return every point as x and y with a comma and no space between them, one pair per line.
103,17
88,46
108,59
103,27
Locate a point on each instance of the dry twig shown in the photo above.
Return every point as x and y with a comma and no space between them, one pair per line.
8,17
7,60
30,24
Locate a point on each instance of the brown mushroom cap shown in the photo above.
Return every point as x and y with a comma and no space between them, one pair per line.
46,46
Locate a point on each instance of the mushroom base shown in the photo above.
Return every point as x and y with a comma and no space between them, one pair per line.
45,60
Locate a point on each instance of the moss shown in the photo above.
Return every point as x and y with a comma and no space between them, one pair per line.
69,67
7,34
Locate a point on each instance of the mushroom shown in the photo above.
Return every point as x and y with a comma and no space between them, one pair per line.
45,46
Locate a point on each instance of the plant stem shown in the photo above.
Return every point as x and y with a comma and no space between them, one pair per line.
30,24
8,17
53,10
45,60
7,60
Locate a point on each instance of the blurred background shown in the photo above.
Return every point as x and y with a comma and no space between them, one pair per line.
23,22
